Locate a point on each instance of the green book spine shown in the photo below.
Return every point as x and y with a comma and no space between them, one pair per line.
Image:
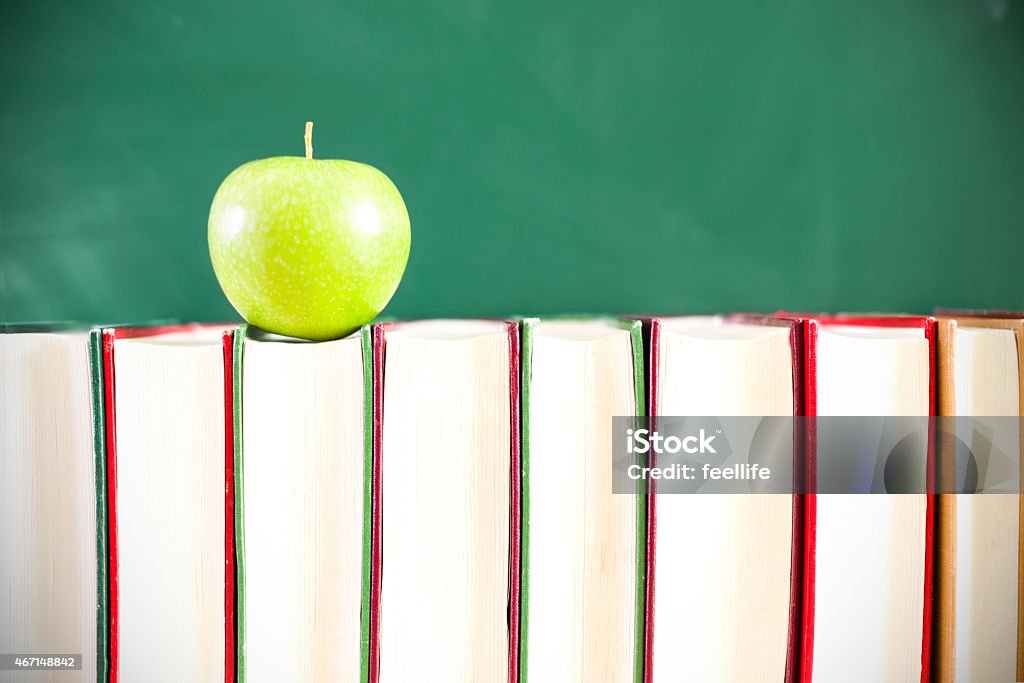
636,337
236,401
526,370
366,333
99,447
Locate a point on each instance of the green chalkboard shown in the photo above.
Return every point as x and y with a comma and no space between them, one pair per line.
755,156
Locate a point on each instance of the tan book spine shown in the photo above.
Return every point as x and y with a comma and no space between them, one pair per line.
944,651
1020,507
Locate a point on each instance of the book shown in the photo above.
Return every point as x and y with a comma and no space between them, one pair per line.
445,556
979,620
434,500
724,569
303,474
584,548
867,593
168,430
52,529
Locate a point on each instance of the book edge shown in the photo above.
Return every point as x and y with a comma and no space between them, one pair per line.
100,482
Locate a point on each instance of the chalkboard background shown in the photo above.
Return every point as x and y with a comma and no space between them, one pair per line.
554,156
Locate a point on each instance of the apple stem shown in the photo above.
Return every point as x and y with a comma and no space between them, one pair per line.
309,139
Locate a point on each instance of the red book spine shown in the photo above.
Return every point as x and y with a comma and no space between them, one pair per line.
930,330
653,410
810,341
229,507
796,559
109,413
376,515
515,517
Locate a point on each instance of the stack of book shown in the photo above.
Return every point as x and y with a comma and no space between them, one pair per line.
433,501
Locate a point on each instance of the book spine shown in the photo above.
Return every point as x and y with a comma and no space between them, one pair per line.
654,409
635,329
929,533
810,411
99,446
944,612
515,526
231,425
366,338
526,369
111,452
238,498
796,344
379,338
1019,333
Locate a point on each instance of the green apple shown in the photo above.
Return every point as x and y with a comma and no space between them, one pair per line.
309,248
